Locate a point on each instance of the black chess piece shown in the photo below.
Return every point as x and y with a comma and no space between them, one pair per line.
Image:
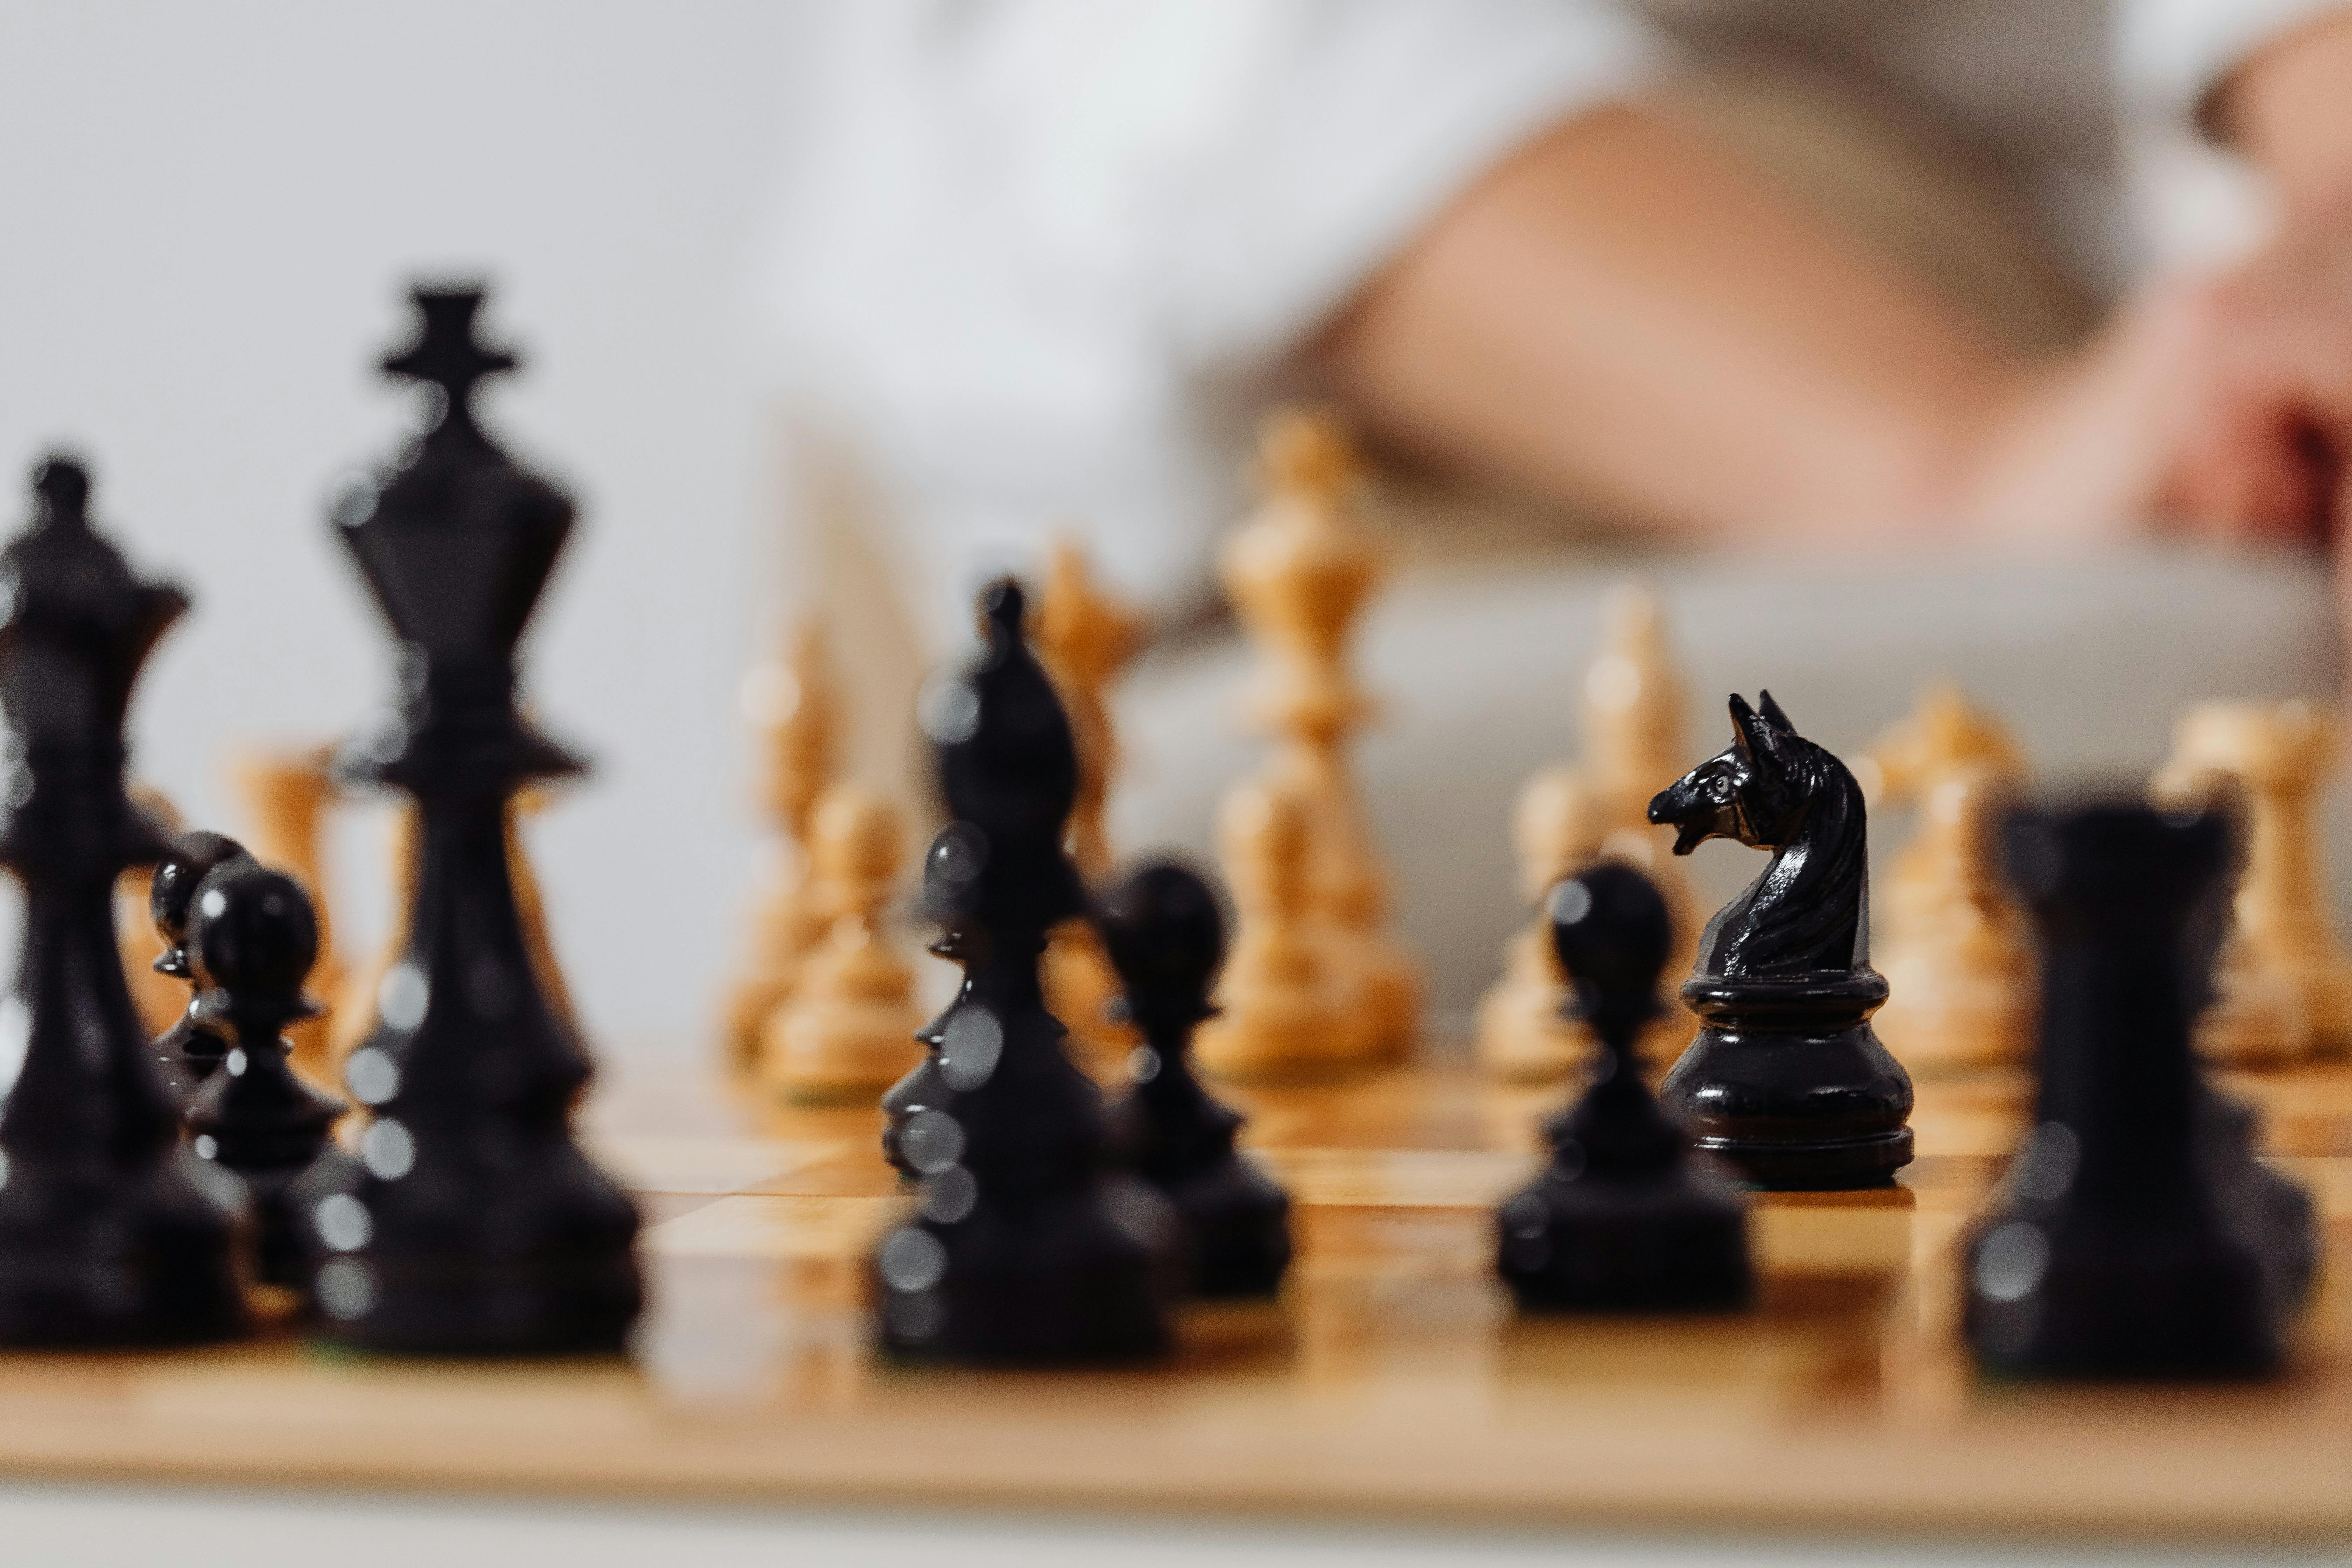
947,882
251,937
1787,1083
2137,1237
468,1223
1025,1248
1622,1218
109,1235
187,1052
1166,937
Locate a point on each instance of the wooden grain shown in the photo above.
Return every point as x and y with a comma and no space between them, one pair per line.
1392,1378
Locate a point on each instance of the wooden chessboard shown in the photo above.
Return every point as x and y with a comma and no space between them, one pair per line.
1393,1377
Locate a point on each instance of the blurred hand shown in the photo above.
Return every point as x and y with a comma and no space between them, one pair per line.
2219,405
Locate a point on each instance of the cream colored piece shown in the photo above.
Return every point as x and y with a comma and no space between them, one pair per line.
790,703
286,795
1521,1033
2283,983
353,1017
530,910
1568,816
1298,573
1950,940
848,1027
158,998
1083,637
1283,1013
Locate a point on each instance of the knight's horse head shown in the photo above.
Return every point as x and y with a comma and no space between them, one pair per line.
1753,791
1807,913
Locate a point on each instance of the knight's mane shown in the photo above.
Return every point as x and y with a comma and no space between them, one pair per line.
1817,926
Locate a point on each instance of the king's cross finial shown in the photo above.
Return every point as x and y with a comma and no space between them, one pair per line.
63,487
445,352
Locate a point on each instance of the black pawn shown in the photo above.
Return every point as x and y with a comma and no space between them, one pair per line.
468,1223
1623,1219
251,937
1166,937
106,1235
187,1052
951,868
1025,1250
2137,1237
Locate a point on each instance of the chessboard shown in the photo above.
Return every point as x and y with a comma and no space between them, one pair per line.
1392,1378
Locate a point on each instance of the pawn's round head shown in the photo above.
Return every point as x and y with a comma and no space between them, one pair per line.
252,933
1612,931
1164,933
192,858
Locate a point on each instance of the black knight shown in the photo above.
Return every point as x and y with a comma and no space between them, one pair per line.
1786,1081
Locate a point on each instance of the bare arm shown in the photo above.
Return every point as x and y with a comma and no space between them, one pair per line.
1623,313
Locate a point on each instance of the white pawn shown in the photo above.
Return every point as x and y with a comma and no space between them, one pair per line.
848,1027
2282,983
1557,826
1281,1010
1950,940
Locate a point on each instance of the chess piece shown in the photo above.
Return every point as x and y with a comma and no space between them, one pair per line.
187,1052
1166,937
1525,1030
106,1236
1281,1013
848,1027
251,939
352,1013
1950,940
158,998
1083,637
2283,985
1567,817
1024,1249
789,702
286,795
1298,573
2137,1235
946,889
1622,1218
467,1222
1786,1082
532,909
1634,747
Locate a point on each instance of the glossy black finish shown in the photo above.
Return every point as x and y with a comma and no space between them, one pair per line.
469,1223
1166,937
1623,1219
187,1052
1025,1248
1786,1082
2137,1237
251,937
107,1236
947,889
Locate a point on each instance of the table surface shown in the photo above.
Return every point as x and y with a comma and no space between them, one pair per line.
1392,1378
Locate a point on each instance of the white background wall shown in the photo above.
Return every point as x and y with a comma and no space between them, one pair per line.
208,213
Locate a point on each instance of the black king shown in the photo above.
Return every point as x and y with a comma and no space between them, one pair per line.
468,1223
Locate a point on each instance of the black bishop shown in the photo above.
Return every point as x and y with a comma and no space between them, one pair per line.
1027,1248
